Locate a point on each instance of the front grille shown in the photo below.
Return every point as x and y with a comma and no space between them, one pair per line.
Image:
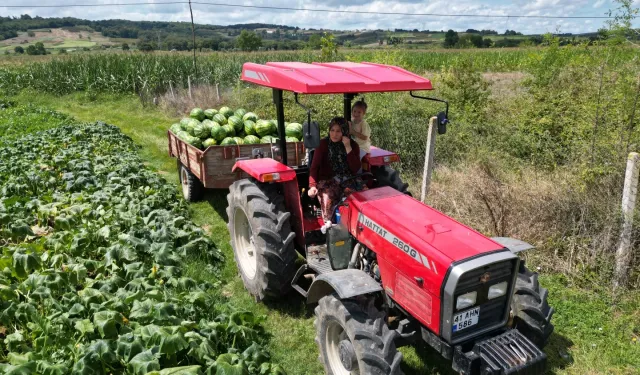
491,311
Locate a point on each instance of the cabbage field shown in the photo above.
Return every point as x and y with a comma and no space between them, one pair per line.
92,248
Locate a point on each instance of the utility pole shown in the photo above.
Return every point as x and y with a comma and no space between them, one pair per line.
193,34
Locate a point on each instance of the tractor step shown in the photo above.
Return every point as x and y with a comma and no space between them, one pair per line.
318,258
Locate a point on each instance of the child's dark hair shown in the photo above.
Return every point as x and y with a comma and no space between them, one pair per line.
360,104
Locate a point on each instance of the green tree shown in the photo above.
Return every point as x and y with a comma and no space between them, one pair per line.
451,38
329,47
314,41
145,47
31,34
125,46
19,50
248,41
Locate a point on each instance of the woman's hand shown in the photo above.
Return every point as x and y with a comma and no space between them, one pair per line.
313,191
347,143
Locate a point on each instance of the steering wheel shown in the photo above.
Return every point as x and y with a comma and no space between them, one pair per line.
342,184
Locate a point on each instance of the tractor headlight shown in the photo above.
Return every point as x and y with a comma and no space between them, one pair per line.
497,290
466,300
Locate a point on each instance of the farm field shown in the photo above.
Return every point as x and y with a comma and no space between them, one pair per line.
517,140
55,39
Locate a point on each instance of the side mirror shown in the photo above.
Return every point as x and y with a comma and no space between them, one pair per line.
311,134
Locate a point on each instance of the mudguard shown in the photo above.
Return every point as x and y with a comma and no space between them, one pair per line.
346,283
514,245
265,170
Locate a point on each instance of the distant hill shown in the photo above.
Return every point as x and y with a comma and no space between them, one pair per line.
74,33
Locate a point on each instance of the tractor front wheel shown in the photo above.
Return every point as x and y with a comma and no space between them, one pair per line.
261,238
387,176
355,340
530,309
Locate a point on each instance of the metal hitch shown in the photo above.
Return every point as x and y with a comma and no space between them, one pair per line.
508,353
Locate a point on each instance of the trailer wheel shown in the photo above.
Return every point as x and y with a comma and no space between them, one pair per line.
388,176
530,308
261,238
353,340
192,188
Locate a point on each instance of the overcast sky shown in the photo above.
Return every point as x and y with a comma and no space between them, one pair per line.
223,15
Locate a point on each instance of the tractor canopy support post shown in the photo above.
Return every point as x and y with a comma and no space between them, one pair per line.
277,100
347,105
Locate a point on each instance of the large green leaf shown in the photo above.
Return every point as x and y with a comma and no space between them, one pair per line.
184,370
128,346
23,263
143,363
46,368
24,369
107,322
84,326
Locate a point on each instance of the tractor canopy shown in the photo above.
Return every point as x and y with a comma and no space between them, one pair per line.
333,78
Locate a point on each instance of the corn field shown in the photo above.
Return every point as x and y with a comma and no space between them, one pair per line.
158,72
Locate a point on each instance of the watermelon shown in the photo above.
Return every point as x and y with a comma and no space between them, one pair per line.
209,113
183,135
293,130
209,142
198,114
250,127
250,116
229,130
218,133
241,134
194,141
236,122
175,128
191,126
239,140
184,122
240,112
292,139
269,139
220,119
263,127
226,111
251,140
274,125
228,142
201,131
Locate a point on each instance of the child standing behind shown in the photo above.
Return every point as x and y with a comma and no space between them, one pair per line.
359,127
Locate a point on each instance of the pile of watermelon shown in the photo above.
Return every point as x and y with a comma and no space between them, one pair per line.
204,128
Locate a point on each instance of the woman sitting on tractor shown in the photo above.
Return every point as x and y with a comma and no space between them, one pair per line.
335,163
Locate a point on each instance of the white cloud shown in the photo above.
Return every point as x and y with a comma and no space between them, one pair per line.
221,15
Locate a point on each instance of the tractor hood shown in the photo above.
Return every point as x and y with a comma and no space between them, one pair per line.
399,218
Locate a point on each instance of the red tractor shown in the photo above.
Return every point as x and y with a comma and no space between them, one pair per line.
394,270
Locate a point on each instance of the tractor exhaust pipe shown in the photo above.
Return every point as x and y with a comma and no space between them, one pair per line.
354,256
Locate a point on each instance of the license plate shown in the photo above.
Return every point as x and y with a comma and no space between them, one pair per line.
466,319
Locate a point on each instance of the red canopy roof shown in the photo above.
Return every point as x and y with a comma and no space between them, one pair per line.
333,78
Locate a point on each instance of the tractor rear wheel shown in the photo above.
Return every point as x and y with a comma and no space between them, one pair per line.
530,308
387,176
192,188
261,238
355,340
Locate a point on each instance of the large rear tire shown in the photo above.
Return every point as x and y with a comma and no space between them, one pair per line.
530,308
261,238
192,188
387,176
355,340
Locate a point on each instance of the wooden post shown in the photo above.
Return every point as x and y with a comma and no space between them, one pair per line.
171,88
428,157
218,91
623,255
189,83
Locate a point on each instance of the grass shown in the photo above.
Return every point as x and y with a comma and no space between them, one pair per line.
593,334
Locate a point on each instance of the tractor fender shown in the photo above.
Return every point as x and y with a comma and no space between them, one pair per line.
345,283
265,170
514,245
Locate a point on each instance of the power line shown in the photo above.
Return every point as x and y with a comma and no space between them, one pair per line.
309,10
